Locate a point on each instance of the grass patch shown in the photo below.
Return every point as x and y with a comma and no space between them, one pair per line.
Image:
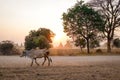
78,52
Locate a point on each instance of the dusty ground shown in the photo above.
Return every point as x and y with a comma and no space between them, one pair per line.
62,68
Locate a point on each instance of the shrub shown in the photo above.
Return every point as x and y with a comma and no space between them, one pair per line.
98,51
8,48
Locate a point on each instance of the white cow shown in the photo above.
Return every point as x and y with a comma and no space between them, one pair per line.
37,53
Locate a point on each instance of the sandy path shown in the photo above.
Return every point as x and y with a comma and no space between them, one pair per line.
62,68
16,61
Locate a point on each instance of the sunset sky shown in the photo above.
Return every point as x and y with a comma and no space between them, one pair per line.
18,17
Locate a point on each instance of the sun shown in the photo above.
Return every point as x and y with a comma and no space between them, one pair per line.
58,37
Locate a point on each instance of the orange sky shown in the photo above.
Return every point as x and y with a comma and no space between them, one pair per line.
18,17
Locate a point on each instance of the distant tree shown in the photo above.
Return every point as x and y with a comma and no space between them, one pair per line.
68,44
94,40
6,47
40,38
94,44
82,21
60,45
110,10
116,42
81,42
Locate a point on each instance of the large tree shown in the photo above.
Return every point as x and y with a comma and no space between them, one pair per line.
110,9
40,38
82,21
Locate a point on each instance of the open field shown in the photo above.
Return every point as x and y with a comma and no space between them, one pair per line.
78,52
62,68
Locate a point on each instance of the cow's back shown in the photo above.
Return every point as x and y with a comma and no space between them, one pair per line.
37,53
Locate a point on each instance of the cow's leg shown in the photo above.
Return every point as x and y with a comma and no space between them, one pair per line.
32,62
48,60
44,60
36,61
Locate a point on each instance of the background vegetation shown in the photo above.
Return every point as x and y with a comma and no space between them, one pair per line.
84,22
9,48
39,39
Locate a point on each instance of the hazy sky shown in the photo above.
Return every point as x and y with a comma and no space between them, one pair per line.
18,17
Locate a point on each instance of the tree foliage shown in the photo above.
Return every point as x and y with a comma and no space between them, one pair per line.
95,40
110,10
40,38
80,42
81,22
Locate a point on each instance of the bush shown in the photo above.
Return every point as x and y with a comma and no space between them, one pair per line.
8,48
98,51
116,43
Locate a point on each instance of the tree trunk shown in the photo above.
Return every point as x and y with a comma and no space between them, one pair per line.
109,45
88,49
81,49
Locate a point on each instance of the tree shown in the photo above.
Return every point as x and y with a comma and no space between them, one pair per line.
95,40
82,21
110,10
6,47
40,38
68,44
80,42
116,42
60,45
94,44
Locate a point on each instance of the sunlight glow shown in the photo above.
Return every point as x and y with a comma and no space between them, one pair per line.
58,37
18,17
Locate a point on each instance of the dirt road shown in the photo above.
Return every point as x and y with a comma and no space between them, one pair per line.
62,68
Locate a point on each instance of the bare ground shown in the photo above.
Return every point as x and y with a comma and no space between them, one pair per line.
62,68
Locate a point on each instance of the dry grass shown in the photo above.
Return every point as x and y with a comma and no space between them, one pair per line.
78,52
64,52
103,72
63,68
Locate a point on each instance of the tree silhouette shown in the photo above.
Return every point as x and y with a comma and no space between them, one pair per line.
6,47
110,10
